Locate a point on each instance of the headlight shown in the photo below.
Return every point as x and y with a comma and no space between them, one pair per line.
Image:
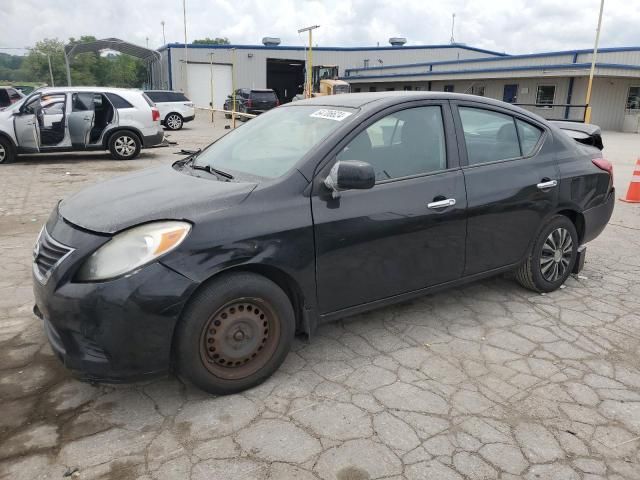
132,249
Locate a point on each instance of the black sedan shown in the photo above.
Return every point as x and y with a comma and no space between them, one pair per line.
313,211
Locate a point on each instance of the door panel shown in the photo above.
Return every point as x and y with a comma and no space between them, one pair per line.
26,129
81,118
377,243
391,239
505,206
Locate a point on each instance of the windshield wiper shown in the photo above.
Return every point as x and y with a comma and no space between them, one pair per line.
214,171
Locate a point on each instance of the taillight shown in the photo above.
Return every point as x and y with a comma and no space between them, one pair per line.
249,103
155,114
606,165
603,164
277,102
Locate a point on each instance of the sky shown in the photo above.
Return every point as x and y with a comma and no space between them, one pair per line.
511,26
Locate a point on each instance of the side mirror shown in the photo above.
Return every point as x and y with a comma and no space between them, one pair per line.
350,175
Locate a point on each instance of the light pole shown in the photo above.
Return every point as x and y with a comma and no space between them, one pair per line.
164,39
587,113
308,87
186,53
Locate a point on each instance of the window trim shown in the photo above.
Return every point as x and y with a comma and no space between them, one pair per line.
462,144
452,154
546,106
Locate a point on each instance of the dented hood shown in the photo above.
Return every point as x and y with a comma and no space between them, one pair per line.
152,194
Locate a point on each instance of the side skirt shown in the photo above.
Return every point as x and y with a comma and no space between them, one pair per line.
365,307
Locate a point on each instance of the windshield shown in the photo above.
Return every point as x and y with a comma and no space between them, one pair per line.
17,105
272,143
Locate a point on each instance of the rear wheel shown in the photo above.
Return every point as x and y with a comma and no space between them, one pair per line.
234,333
6,151
174,121
124,145
551,258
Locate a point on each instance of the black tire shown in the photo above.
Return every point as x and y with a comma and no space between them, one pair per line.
234,333
545,269
124,145
7,153
173,121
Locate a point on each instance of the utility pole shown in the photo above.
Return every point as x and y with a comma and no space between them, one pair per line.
50,70
308,86
186,53
164,39
587,113
453,24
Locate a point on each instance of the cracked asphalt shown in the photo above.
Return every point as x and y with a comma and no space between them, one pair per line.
485,382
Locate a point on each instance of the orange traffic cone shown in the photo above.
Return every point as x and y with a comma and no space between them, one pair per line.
633,194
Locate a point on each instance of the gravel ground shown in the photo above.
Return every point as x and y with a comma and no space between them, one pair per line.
487,381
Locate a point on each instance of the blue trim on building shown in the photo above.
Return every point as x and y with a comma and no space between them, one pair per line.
559,66
169,69
574,53
569,94
331,49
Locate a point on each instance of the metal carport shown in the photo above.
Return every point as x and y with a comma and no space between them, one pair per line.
146,54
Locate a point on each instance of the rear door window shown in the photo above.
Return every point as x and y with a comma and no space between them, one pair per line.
489,135
529,136
82,101
117,101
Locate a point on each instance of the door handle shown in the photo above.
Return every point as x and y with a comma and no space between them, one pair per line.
449,202
547,184
87,118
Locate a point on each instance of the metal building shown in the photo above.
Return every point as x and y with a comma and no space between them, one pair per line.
536,80
207,71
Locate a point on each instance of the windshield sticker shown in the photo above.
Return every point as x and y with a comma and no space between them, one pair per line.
337,115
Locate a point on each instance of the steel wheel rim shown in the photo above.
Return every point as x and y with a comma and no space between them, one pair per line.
556,254
239,338
3,153
125,146
173,121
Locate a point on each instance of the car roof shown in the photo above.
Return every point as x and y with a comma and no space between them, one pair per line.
380,99
49,90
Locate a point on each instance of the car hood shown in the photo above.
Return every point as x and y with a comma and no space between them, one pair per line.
152,194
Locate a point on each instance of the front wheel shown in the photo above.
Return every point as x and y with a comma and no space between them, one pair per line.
551,258
124,145
6,151
234,333
173,121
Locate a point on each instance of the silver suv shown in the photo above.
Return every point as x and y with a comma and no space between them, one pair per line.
80,118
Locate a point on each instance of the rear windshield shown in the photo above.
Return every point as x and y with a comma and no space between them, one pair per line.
159,97
263,95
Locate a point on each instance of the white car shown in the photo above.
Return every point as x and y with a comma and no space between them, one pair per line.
175,108
80,118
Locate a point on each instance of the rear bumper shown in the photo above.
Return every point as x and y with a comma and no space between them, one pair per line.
151,140
596,218
189,118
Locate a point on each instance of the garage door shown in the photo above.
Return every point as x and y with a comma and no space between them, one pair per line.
199,84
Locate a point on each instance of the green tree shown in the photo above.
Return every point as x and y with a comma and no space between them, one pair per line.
212,41
36,65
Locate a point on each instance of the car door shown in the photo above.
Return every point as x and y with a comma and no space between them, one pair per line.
81,118
26,126
407,232
511,177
